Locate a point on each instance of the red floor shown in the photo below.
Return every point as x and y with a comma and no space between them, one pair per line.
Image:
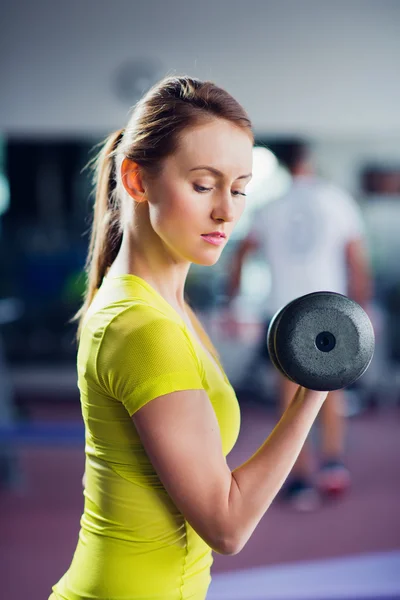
39,524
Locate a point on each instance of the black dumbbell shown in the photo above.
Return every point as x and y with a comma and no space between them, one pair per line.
322,341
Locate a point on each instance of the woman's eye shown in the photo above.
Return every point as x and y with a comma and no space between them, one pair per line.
201,189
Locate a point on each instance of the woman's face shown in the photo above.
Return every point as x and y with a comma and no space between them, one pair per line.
201,190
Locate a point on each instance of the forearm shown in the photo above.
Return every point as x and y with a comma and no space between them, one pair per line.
256,482
360,289
360,286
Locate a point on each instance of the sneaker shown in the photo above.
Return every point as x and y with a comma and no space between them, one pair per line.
333,478
301,495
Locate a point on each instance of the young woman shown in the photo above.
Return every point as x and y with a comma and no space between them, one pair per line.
159,412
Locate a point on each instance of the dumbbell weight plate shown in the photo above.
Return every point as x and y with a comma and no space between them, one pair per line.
323,341
271,339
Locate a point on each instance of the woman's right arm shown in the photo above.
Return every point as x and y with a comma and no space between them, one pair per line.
180,434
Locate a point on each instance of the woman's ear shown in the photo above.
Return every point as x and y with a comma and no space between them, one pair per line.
132,180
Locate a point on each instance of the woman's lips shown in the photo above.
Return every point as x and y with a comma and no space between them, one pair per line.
217,240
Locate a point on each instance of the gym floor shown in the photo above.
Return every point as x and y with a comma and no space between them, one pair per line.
349,548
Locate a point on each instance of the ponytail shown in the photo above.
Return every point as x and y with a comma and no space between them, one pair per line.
106,236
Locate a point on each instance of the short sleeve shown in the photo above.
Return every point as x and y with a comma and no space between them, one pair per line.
143,355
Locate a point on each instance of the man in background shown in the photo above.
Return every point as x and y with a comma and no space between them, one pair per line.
312,240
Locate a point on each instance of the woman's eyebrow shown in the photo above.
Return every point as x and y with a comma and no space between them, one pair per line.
216,172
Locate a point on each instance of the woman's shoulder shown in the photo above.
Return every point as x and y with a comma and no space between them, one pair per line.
125,316
125,319
127,300
123,333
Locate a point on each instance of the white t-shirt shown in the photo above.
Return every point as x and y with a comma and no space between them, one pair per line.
303,236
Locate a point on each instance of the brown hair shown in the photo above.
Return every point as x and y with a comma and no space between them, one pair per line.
152,134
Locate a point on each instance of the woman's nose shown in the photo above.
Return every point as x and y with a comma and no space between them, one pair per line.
224,209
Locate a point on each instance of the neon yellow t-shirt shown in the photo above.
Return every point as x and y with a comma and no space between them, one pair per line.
133,542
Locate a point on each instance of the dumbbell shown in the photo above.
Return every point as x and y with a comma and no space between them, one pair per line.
321,341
